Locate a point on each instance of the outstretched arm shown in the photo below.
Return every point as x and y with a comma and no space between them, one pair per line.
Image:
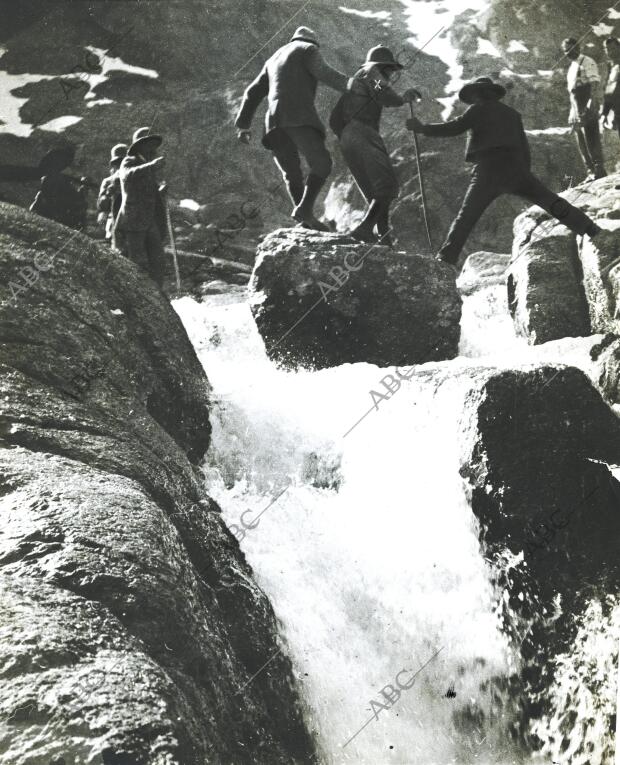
254,94
326,74
129,168
446,129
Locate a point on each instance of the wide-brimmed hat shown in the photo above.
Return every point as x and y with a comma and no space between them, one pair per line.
118,153
306,34
140,137
482,83
380,56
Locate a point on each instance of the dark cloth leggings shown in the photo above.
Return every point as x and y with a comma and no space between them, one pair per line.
289,144
506,174
590,147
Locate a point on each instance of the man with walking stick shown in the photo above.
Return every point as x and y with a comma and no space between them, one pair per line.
500,154
142,216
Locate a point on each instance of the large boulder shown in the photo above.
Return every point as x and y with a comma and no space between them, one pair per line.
537,449
132,630
545,295
560,285
319,301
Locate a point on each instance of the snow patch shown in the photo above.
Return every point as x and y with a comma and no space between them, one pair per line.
59,124
382,15
517,46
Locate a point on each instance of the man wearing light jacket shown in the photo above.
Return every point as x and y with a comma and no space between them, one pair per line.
583,82
289,81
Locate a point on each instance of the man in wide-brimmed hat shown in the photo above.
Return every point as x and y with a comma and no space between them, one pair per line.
500,153
142,217
289,80
355,120
584,82
109,199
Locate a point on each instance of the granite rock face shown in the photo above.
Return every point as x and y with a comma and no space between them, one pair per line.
319,301
538,448
560,285
132,628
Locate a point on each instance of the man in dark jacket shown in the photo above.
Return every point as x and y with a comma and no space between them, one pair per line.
60,196
499,151
356,120
292,126
142,216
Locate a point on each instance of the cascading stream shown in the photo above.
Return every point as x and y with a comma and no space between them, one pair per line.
370,556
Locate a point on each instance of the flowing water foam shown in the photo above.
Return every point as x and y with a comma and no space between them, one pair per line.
370,556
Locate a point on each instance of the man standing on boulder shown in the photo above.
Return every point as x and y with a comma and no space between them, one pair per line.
583,84
500,153
611,100
289,80
142,217
355,120
109,199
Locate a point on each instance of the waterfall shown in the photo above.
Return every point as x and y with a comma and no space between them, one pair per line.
365,543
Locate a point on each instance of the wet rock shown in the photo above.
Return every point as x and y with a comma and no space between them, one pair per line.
131,626
320,301
482,269
537,450
545,294
600,258
561,285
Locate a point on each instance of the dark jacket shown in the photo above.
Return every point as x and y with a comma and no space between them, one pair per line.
59,200
493,125
289,80
364,102
141,202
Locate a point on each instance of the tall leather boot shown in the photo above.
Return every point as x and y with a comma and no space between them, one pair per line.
383,226
304,212
364,231
295,190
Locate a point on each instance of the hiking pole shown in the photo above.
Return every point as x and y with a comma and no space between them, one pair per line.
175,258
422,192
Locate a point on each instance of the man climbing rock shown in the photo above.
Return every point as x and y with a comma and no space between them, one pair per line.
60,197
583,83
292,126
500,153
142,217
611,99
355,120
109,199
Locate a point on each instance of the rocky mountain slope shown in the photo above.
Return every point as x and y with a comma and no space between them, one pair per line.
182,67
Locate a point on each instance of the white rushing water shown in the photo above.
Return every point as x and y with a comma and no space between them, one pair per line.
370,556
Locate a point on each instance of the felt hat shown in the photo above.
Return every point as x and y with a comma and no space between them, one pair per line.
482,83
118,153
380,56
306,34
140,137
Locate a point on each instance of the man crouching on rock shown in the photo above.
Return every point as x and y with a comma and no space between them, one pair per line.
292,126
142,216
500,153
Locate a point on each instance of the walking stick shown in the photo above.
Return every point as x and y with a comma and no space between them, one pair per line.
175,258
422,192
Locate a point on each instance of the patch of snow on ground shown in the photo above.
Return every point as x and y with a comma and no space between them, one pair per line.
517,46
59,124
386,15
